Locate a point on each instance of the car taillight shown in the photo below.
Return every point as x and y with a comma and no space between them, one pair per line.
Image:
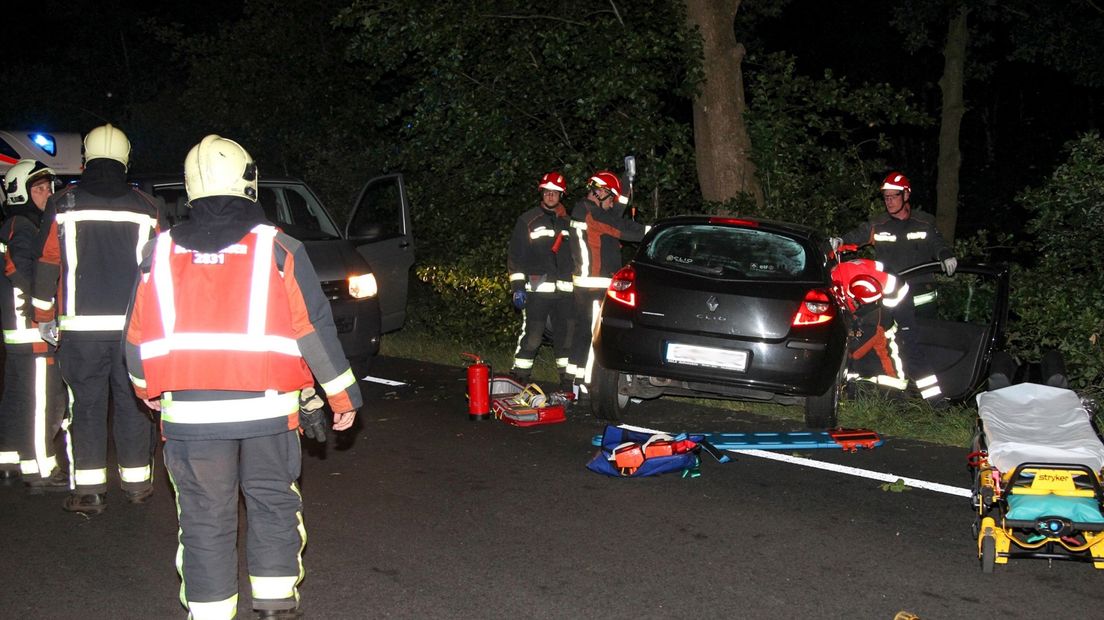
623,287
816,308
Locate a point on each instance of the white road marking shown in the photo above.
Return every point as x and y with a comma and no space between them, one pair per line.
379,380
842,469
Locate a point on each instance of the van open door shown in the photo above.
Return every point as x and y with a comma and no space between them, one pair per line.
380,228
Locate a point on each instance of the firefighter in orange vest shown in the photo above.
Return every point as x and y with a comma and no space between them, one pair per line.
598,227
91,238
874,349
227,326
34,395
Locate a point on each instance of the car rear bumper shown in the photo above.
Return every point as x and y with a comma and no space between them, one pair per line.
788,367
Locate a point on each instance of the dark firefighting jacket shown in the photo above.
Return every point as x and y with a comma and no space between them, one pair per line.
901,244
539,255
18,235
90,246
596,236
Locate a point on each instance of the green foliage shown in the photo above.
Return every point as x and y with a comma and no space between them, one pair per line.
459,304
817,142
304,115
1059,302
487,96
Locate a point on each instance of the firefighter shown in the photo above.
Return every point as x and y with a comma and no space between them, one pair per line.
598,226
228,323
91,240
539,262
904,237
34,396
873,350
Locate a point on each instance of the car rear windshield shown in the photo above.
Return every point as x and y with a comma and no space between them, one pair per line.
730,252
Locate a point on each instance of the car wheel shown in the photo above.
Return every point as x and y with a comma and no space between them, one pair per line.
988,553
606,400
823,411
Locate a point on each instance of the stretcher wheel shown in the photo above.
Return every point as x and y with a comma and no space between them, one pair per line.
988,554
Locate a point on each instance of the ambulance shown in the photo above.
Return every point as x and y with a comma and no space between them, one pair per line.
58,150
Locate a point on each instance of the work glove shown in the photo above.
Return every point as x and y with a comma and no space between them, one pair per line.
21,306
519,299
836,243
312,420
949,265
49,332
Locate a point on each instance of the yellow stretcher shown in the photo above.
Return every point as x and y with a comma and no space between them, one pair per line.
1038,460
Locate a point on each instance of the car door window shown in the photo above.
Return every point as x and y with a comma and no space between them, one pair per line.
379,215
297,211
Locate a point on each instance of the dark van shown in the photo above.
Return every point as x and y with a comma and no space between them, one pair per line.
364,266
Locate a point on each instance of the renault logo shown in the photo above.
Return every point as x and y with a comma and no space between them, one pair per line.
711,303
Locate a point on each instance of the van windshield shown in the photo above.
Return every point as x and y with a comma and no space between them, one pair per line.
289,206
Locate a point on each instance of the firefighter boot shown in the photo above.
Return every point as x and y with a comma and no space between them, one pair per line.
521,376
87,503
56,482
140,496
279,614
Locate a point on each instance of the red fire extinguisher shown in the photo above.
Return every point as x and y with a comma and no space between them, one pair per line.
479,388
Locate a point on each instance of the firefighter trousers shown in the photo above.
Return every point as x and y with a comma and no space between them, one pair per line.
540,310
207,475
94,370
33,406
588,308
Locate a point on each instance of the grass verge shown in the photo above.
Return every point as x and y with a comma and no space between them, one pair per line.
914,419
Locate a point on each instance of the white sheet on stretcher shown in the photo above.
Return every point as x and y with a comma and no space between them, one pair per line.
1028,422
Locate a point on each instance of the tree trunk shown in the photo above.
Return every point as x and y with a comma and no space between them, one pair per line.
722,145
950,156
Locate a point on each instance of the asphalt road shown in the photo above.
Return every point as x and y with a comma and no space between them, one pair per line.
424,514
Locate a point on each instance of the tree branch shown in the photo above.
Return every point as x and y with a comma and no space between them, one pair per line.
517,108
617,13
550,17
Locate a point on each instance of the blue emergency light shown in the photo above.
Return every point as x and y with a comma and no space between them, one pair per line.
45,142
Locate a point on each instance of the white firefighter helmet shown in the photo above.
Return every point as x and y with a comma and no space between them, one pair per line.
20,177
107,142
218,166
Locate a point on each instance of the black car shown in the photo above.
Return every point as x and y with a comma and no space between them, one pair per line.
723,307
742,308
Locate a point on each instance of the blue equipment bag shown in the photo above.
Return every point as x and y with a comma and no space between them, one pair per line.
617,440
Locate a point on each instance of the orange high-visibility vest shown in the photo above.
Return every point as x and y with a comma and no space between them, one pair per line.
224,320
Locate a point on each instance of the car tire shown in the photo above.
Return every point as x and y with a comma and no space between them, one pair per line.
822,411
606,400
361,365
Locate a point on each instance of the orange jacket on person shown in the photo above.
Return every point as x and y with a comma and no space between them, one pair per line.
244,319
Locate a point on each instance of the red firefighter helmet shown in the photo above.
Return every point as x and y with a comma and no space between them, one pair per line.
553,181
859,282
607,180
898,181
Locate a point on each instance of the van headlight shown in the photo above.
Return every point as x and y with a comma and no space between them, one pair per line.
363,286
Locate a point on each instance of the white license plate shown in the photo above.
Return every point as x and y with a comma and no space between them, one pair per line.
689,354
